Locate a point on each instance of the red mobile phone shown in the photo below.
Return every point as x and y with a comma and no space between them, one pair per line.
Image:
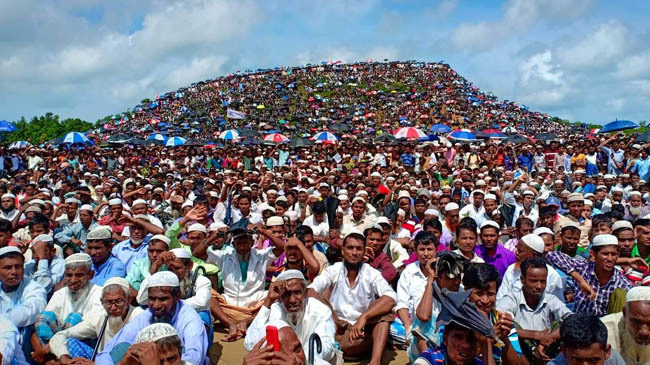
272,337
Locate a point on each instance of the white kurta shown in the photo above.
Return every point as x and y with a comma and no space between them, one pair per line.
10,348
63,302
512,283
23,304
317,318
201,299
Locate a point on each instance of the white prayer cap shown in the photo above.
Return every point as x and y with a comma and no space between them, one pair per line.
116,280
401,212
350,231
403,194
181,253
589,202
290,274
293,216
358,199
216,226
362,192
37,201
43,238
78,258
478,192
247,188
430,212
9,249
161,237
528,192
139,201
271,191
490,223
451,206
575,197
214,194
8,195
72,200
187,203
115,201
543,230
621,225
638,294
33,208
632,193
383,220
155,332
159,279
343,197
274,221
197,227
533,241
490,197
604,240
87,207
100,233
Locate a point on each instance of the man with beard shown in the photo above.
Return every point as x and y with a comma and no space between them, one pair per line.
163,297
68,305
628,332
135,247
73,237
287,301
291,350
71,342
8,209
362,321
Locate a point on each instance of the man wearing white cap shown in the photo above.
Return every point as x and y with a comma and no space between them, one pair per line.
475,209
73,237
67,213
600,274
115,300
450,223
8,209
358,219
162,295
195,294
44,266
628,332
156,343
105,265
112,219
530,245
635,209
69,304
576,204
287,301
139,207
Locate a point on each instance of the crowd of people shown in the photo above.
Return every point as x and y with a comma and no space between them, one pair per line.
462,253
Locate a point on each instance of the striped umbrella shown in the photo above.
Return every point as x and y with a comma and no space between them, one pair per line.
409,133
276,138
76,138
19,144
325,137
229,134
175,141
157,138
462,135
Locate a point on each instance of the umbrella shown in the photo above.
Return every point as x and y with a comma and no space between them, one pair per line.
440,128
19,144
194,142
136,141
546,136
509,129
248,133
618,125
251,141
7,126
325,137
384,138
491,131
516,139
75,138
157,138
301,142
462,135
118,138
409,133
175,141
481,134
429,138
276,138
339,127
497,135
229,134
456,307
643,137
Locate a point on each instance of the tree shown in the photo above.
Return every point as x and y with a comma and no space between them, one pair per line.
44,128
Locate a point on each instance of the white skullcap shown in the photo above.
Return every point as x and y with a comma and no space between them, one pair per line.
401,212
343,197
72,200
490,197
638,294
197,227
451,206
100,233
33,208
159,279
478,192
293,216
350,231
155,332
490,223
575,197
214,194
9,249
116,280
604,240
621,224
78,258
43,238
187,203
246,188
362,192
271,191
528,192
216,226
589,202
181,253
632,193
37,201
358,199
403,194
115,201
543,230
161,237
274,221
382,220
290,274
430,212
8,195
87,207
139,201
533,241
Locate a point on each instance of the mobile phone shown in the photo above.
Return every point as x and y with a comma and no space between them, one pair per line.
272,337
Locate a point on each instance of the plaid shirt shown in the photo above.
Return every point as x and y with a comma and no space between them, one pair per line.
598,306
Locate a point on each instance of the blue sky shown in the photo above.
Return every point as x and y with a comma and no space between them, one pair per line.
583,60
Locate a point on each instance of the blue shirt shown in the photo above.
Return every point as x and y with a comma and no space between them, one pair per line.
187,323
642,168
408,160
111,268
127,253
48,274
76,231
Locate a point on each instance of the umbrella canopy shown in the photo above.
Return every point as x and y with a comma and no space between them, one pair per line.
440,128
136,141
462,135
251,141
516,139
481,134
430,138
509,129
157,137
491,131
248,133
194,142
384,138
175,141
325,137
409,133
301,142
19,144
276,138
456,307
75,138
643,137
497,135
7,126
118,138
229,134
618,125
546,136
339,127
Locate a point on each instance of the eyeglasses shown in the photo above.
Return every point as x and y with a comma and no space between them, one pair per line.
110,303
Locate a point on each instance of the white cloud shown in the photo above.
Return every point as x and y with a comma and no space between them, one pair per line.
541,81
634,66
346,55
199,69
601,47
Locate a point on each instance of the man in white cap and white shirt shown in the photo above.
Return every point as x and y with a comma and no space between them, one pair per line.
115,301
628,332
530,245
475,208
452,218
165,306
140,207
8,209
287,301
157,258
73,237
358,219
45,267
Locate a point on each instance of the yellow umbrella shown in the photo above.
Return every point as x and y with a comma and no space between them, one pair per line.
261,106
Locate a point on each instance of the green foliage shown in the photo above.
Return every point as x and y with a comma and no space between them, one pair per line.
45,128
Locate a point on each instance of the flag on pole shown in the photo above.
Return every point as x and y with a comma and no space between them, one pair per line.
233,114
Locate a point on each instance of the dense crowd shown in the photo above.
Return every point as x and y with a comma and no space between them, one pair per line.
460,253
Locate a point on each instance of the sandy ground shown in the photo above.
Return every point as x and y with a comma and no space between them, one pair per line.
232,353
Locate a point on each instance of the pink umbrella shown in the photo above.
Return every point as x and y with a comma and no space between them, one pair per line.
276,138
409,133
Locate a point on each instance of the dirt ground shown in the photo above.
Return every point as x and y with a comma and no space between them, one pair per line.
232,353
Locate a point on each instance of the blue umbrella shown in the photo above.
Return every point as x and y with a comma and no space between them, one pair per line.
19,144
430,138
157,137
618,125
7,126
440,128
175,141
497,135
75,138
463,135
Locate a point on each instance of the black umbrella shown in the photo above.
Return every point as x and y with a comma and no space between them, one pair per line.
516,139
546,136
194,142
250,141
301,142
385,138
118,139
248,133
154,142
457,308
339,127
135,141
643,137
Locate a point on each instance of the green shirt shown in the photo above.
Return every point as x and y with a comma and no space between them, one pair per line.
172,233
139,271
636,253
